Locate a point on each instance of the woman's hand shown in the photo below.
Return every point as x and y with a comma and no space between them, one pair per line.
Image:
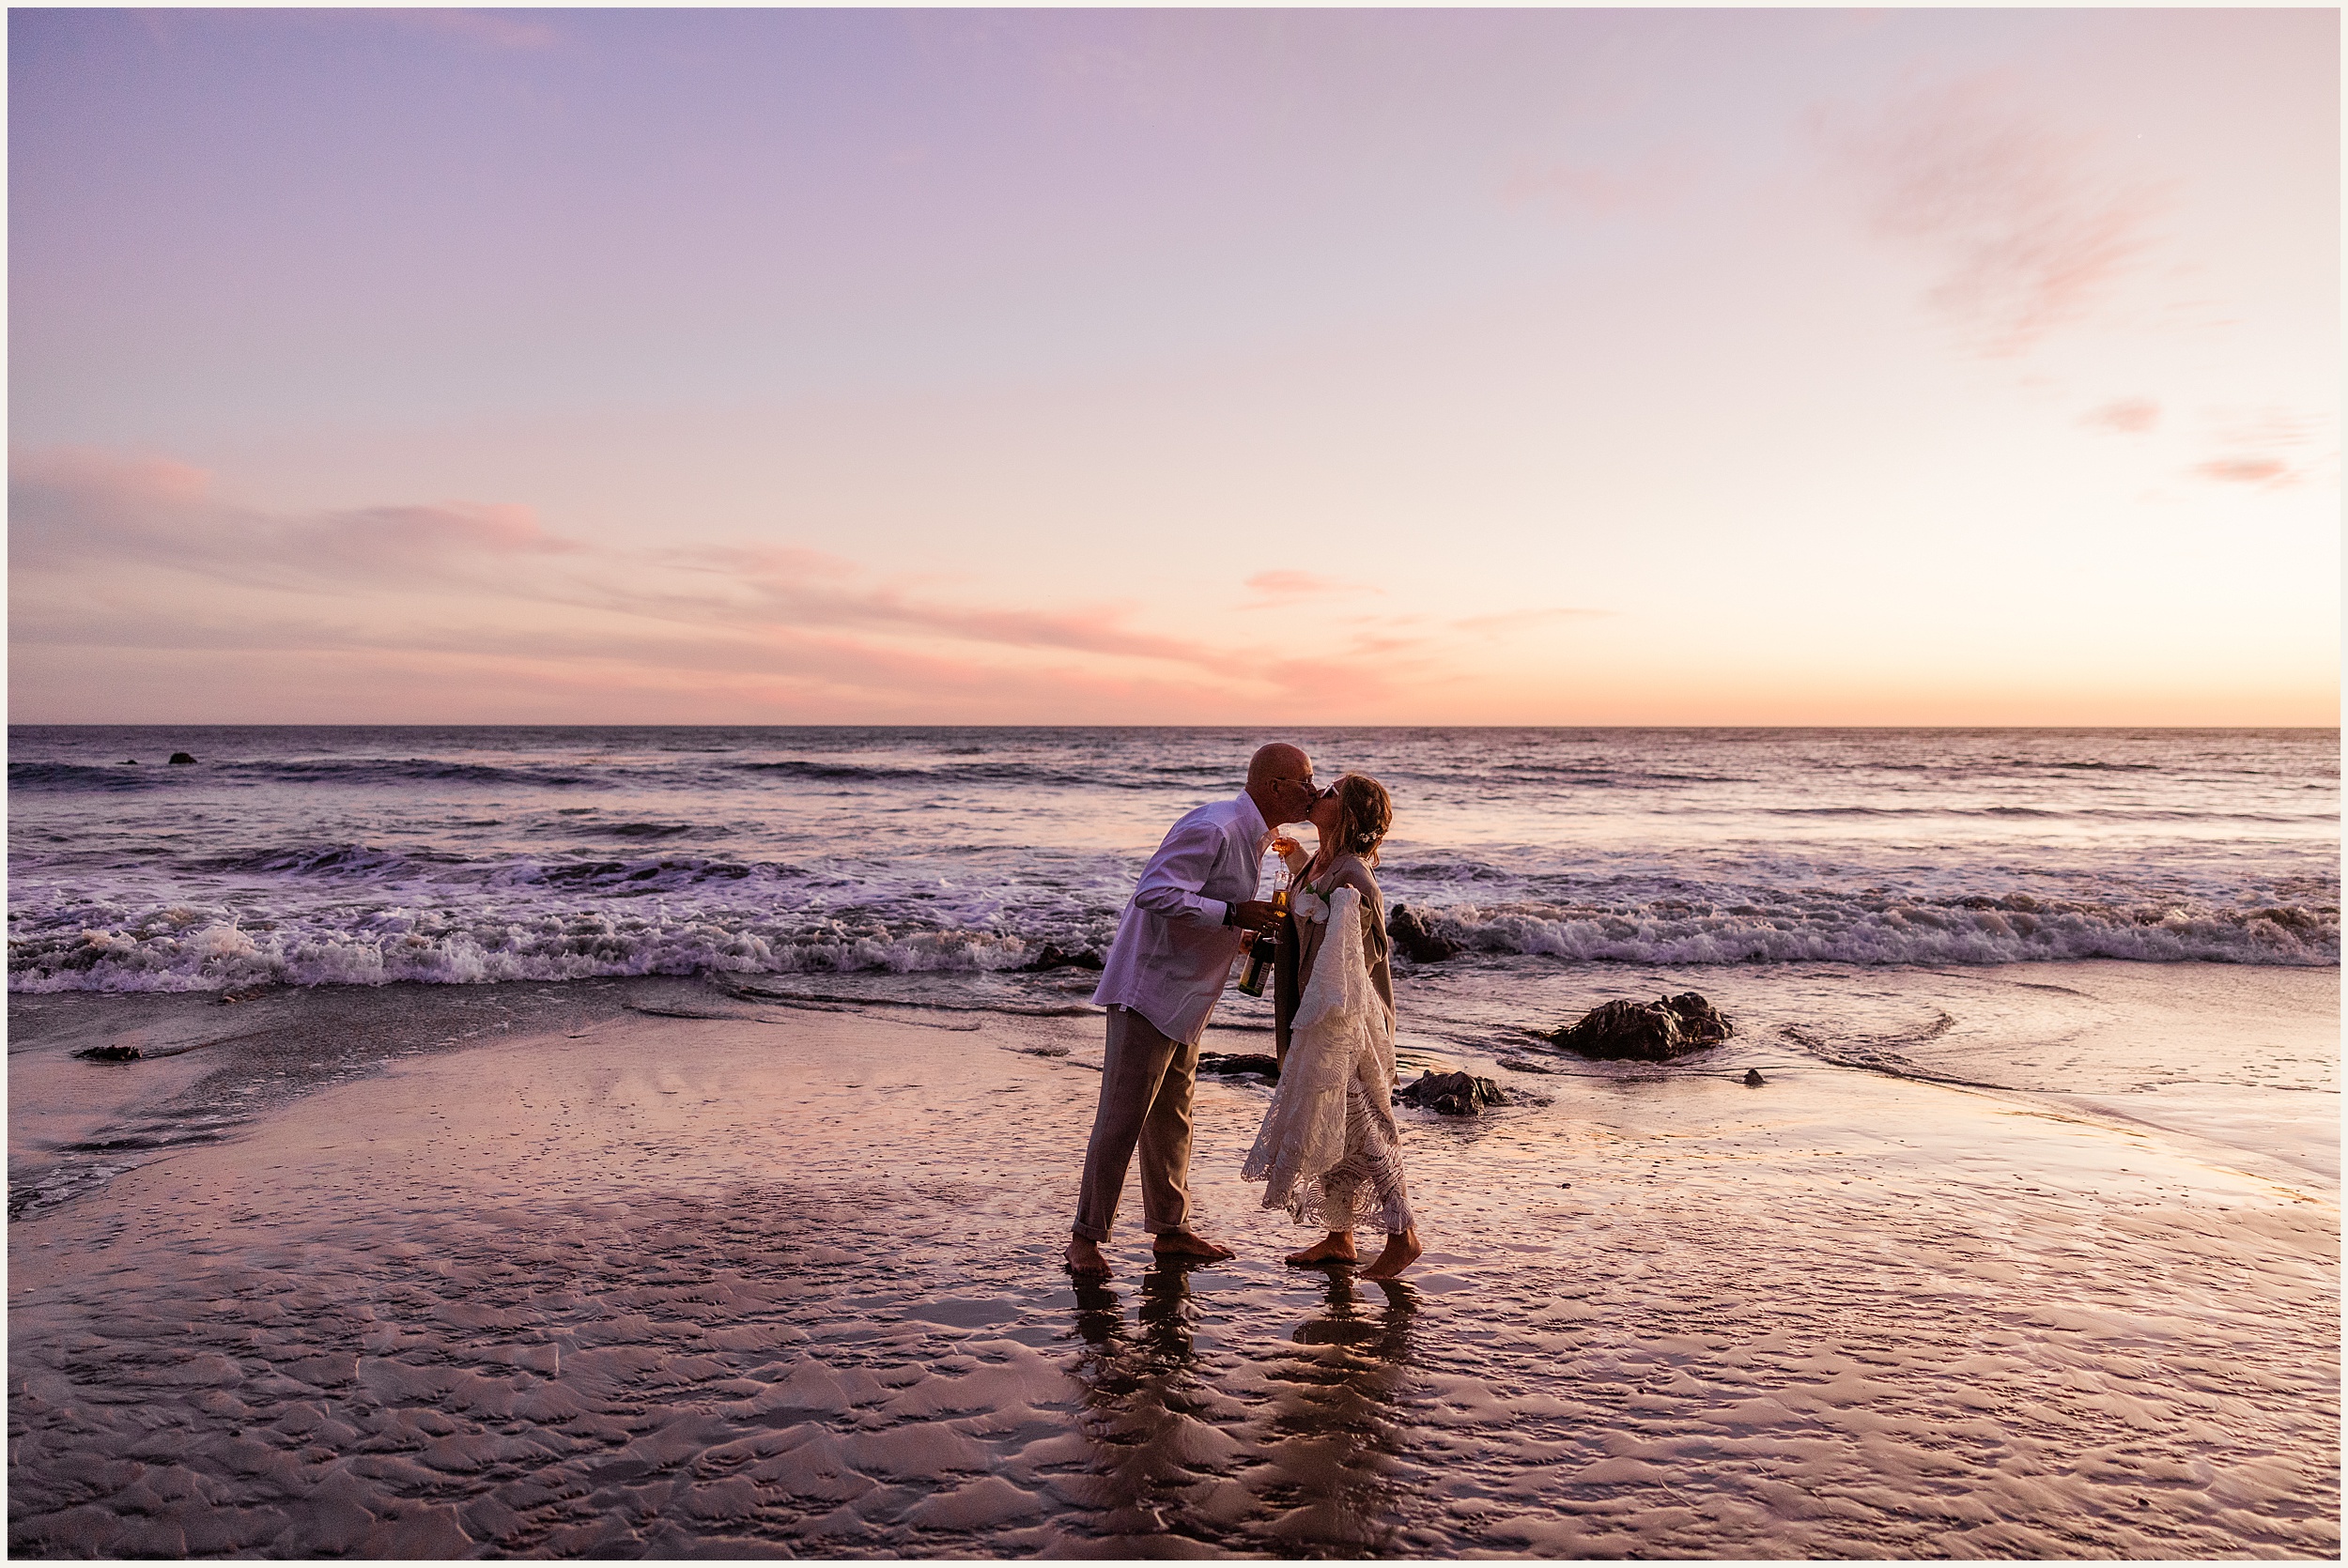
1284,846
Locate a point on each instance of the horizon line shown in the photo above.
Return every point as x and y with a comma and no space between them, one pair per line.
528,724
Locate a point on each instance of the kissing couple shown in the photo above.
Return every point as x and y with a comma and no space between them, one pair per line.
1329,1151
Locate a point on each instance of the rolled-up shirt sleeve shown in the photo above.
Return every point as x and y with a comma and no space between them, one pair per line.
1170,882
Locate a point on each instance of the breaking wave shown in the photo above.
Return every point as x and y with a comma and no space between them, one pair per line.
2015,930
183,948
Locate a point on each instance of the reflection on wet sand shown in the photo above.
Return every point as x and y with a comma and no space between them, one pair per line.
1138,1393
1310,1463
1337,1421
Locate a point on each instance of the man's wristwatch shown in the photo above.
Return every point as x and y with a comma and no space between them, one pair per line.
1230,915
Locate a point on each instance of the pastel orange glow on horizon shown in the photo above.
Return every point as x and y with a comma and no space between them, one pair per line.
1549,367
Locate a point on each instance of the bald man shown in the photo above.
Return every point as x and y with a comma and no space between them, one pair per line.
1164,976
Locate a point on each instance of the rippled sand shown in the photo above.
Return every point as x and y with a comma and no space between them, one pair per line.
787,1282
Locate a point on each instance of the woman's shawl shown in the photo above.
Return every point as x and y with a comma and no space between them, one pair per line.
1343,1033
1306,931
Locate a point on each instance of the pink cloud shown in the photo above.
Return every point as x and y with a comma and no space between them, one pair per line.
2247,471
1289,587
118,560
2259,446
104,551
2129,416
79,505
2027,230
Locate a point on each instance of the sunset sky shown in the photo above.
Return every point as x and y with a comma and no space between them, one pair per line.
1550,367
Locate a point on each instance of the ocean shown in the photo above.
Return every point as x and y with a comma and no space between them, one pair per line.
366,854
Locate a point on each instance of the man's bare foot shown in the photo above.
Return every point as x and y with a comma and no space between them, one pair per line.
1182,1243
1085,1260
1336,1247
1402,1251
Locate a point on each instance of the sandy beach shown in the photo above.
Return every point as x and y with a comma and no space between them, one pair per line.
651,1269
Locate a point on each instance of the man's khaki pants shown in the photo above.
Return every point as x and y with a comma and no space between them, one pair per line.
1145,1100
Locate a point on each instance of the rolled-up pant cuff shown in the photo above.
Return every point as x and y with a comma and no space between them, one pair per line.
1094,1234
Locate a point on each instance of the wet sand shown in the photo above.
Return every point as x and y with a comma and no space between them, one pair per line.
780,1282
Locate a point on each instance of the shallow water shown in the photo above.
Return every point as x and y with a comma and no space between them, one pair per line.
788,1280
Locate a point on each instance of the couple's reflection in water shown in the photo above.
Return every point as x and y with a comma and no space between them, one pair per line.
1277,1444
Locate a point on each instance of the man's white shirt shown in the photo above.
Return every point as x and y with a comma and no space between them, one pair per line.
1173,951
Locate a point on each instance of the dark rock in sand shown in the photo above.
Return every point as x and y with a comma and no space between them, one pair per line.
1654,1031
1753,1079
1524,1064
182,757
1416,938
1053,958
1235,1064
1454,1094
111,1053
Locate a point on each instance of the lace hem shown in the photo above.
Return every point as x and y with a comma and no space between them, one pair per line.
1364,1190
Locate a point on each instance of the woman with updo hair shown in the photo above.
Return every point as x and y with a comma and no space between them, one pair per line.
1329,1151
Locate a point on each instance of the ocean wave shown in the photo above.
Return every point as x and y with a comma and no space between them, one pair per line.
416,770
68,777
186,948
225,955
2018,929
348,862
1018,774
2089,813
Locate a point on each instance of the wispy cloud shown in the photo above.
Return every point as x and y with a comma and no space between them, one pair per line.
2027,225
120,564
74,505
1284,587
142,554
2127,416
2265,448
2247,471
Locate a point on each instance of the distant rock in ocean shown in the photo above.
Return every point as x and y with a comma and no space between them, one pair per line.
1416,938
182,757
1053,956
1654,1031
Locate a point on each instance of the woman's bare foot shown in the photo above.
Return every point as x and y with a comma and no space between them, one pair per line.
1336,1247
1402,1251
1182,1243
1085,1260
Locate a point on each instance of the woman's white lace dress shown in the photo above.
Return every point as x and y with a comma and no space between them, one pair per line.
1329,1151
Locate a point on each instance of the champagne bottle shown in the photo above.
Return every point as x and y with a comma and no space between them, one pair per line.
1259,953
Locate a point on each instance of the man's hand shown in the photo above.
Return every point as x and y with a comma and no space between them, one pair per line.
1255,914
